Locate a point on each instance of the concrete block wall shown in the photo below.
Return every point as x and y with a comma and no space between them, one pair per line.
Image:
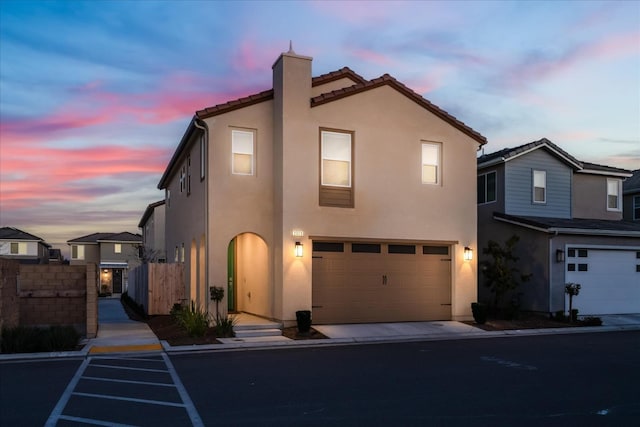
9,306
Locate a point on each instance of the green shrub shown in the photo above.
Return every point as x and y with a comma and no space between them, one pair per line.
194,320
224,326
592,321
25,339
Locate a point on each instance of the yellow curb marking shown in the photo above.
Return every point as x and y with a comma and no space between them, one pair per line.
124,348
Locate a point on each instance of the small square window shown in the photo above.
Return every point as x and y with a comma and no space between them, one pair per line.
637,268
571,253
583,267
582,253
571,267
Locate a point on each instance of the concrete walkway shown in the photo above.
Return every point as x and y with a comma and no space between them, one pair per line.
118,333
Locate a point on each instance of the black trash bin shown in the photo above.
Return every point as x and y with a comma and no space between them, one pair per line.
303,317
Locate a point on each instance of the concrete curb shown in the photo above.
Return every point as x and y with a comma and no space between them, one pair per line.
329,342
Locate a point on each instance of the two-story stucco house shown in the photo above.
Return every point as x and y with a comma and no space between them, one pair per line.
22,246
114,253
348,197
568,215
152,225
631,197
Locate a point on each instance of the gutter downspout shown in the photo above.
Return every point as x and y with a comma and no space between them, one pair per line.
205,130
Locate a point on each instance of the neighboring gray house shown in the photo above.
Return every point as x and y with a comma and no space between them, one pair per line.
114,253
152,226
631,197
22,246
568,215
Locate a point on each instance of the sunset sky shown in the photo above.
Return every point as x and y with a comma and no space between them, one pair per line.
95,95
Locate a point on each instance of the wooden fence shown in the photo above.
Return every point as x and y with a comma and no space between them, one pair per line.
157,287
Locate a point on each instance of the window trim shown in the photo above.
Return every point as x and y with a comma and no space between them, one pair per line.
330,195
618,195
252,132
533,187
438,165
324,131
635,207
486,188
117,248
80,253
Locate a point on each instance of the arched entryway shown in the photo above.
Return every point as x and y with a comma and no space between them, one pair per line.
249,287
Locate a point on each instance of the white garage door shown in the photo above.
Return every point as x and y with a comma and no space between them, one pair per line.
610,280
380,282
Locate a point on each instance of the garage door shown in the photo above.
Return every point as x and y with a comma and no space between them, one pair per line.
380,282
610,280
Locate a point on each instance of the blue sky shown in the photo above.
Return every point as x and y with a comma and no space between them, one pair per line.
95,95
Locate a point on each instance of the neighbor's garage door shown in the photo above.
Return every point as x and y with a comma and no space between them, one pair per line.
380,282
609,279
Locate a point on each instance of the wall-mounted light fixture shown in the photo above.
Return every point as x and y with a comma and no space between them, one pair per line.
468,253
299,250
559,255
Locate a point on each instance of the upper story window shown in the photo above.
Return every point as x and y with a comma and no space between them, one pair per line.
613,194
336,168
431,159
168,197
539,186
487,187
117,248
18,248
77,251
636,207
188,175
242,149
183,178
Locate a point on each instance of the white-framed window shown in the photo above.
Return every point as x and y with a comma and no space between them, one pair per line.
182,253
117,248
176,255
539,186
242,149
336,159
431,160
183,178
636,207
614,187
487,187
77,251
18,248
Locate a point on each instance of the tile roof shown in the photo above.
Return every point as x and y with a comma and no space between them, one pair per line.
632,184
344,72
576,225
235,104
11,233
387,80
107,237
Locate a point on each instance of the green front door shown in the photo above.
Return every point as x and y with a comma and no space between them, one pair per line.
231,276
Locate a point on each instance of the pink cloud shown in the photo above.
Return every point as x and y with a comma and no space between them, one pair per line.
372,56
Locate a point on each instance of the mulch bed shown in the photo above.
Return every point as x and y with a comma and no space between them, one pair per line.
525,321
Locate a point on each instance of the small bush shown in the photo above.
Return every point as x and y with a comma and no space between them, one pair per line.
24,339
194,320
592,321
224,327
560,316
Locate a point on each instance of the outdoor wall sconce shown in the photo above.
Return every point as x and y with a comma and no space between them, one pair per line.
559,255
468,253
299,250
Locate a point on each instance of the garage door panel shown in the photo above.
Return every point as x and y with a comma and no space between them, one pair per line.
610,284
380,287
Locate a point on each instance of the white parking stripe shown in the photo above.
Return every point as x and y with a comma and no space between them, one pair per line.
57,411
94,422
196,421
130,399
127,368
113,380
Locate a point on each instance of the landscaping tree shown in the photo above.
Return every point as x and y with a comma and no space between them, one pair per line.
571,289
500,272
217,293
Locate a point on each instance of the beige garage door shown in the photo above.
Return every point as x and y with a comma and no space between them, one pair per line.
380,282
